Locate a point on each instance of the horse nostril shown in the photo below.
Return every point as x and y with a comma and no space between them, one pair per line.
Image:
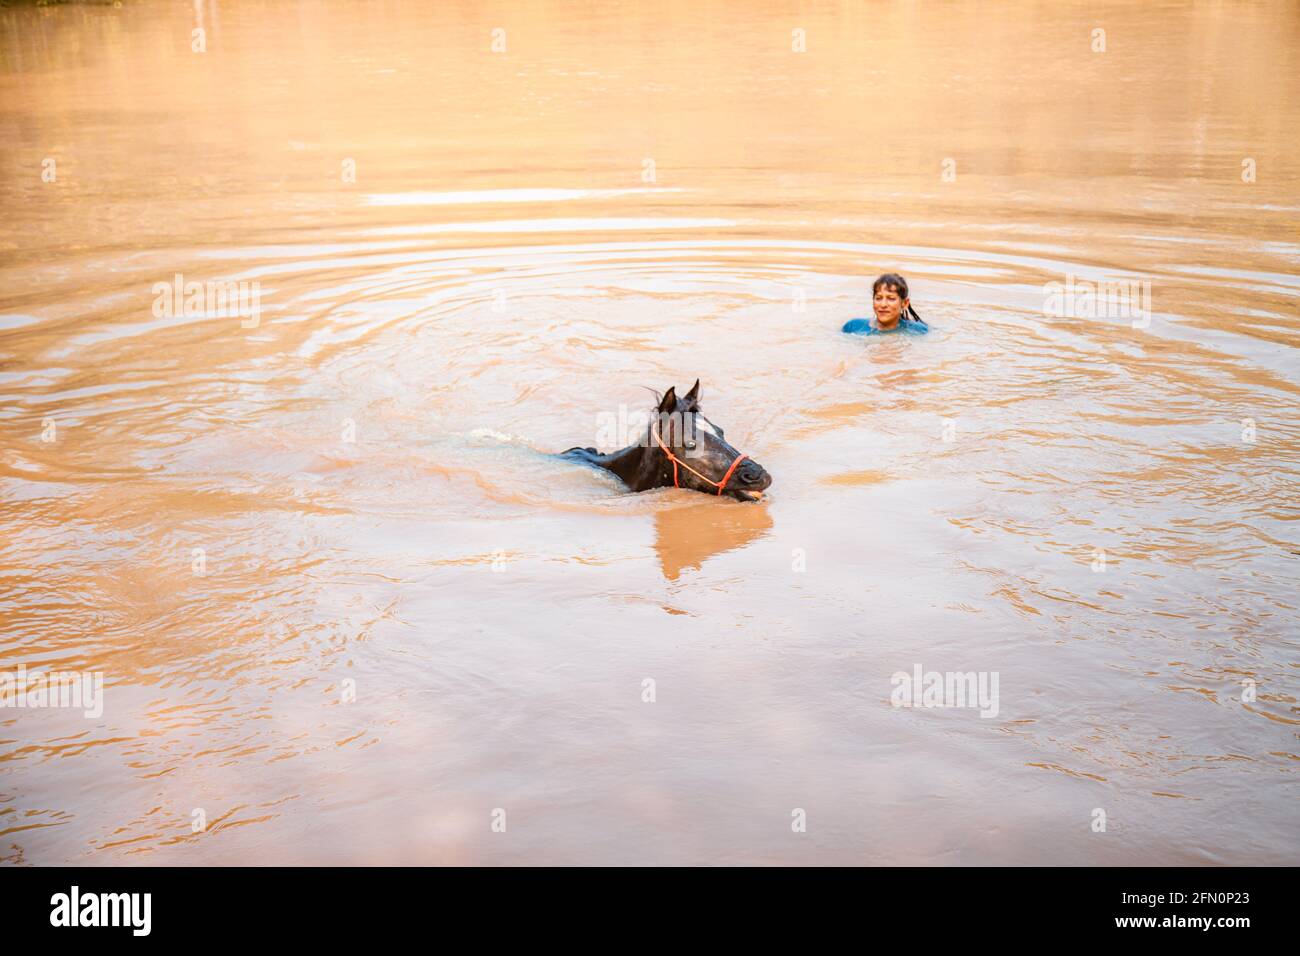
751,473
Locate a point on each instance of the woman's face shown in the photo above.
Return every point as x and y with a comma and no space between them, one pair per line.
889,305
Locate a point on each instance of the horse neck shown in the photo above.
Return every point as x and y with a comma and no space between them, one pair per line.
641,466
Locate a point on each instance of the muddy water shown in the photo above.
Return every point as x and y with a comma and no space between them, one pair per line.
346,609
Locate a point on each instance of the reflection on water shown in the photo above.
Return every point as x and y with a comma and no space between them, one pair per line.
345,604
689,535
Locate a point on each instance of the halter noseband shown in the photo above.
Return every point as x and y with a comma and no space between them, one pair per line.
676,461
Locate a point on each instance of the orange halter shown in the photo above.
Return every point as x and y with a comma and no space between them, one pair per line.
674,459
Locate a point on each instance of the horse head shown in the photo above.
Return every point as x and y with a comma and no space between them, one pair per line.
696,451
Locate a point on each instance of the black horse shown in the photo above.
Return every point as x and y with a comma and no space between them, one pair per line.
684,449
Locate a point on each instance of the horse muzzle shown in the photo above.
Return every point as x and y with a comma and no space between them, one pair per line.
749,482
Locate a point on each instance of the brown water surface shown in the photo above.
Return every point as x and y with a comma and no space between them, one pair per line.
241,524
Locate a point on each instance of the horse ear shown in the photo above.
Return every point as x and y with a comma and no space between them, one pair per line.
669,402
693,396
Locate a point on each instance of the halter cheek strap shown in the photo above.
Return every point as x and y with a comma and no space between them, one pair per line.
676,461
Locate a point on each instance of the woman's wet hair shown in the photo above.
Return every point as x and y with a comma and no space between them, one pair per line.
898,284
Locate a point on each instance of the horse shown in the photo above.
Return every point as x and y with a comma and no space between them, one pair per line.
683,449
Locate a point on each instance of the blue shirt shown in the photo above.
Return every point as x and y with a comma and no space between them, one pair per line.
869,327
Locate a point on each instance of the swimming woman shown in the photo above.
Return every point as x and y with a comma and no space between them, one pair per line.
894,312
